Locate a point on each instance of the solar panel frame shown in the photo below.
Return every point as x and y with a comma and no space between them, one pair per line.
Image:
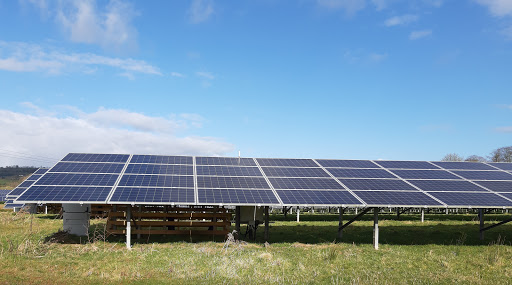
87,167
225,161
305,184
482,199
501,165
360,173
141,196
96,157
496,186
224,170
288,162
405,164
484,174
161,159
289,172
376,184
332,198
447,186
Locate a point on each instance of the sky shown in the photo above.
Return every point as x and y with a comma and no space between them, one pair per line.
340,79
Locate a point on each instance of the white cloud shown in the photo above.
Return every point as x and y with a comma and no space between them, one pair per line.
415,35
377,57
498,8
23,57
350,6
504,129
53,134
206,75
200,11
177,74
380,4
400,20
362,57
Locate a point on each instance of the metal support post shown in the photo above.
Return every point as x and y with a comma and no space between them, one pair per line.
128,227
376,228
340,224
422,215
298,214
447,211
266,223
46,209
237,220
481,218
356,210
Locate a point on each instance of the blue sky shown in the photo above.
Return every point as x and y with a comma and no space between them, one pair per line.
353,79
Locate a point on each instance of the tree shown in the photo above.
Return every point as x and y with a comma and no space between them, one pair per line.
475,158
452,157
502,154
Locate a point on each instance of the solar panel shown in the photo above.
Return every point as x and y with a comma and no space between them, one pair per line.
447,185
78,179
360,173
16,191
236,196
225,161
160,169
158,195
403,198
3,194
305,183
91,157
26,184
376,184
41,171
66,193
471,199
425,174
463,165
88,167
497,186
347,163
157,180
9,204
228,170
406,164
508,195
294,172
286,162
161,159
484,175
317,197
34,176
502,165
232,182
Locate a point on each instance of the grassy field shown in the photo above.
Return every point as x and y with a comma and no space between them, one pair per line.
10,183
445,249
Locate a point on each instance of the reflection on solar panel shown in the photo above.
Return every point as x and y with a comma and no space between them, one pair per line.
497,186
305,183
484,175
286,162
153,195
66,193
157,180
471,199
447,185
232,182
160,169
360,173
318,197
425,174
376,184
161,159
236,196
347,163
502,165
228,171
403,198
77,179
225,161
90,157
463,165
406,164
294,172
88,167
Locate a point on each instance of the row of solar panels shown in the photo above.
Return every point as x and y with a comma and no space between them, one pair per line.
150,179
14,194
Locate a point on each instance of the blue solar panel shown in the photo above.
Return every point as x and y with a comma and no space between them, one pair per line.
236,196
66,193
153,195
228,170
472,199
41,171
464,165
484,175
403,198
294,172
88,167
347,163
425,174
376,184
161,159
360,173
497,186
26,184
305,183
446,185
160,169
232,182
502,165
157,180
3,194
286,162
317,197
78,179
225,161
10,205
91,157
508,195
406,164
17,191
34,177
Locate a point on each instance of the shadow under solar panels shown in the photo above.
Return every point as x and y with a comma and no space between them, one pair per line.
402,198
318,197
152,195
468,199
66,194
236,196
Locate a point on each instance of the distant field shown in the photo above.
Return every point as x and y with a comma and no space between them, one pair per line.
444,249
11,182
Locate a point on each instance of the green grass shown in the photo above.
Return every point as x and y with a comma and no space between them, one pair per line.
445,249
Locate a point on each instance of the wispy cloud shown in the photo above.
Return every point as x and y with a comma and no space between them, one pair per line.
503,129
416,35
177,74
350,7
206,75
201,10
362,57
380,4
400,20
498,8
24,57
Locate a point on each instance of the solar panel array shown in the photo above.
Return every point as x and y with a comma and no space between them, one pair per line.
3,194
188,180
16,192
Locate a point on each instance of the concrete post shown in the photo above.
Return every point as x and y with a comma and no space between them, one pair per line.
298,214
128,227
376,228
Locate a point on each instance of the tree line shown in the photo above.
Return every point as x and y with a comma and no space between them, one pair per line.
502,154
